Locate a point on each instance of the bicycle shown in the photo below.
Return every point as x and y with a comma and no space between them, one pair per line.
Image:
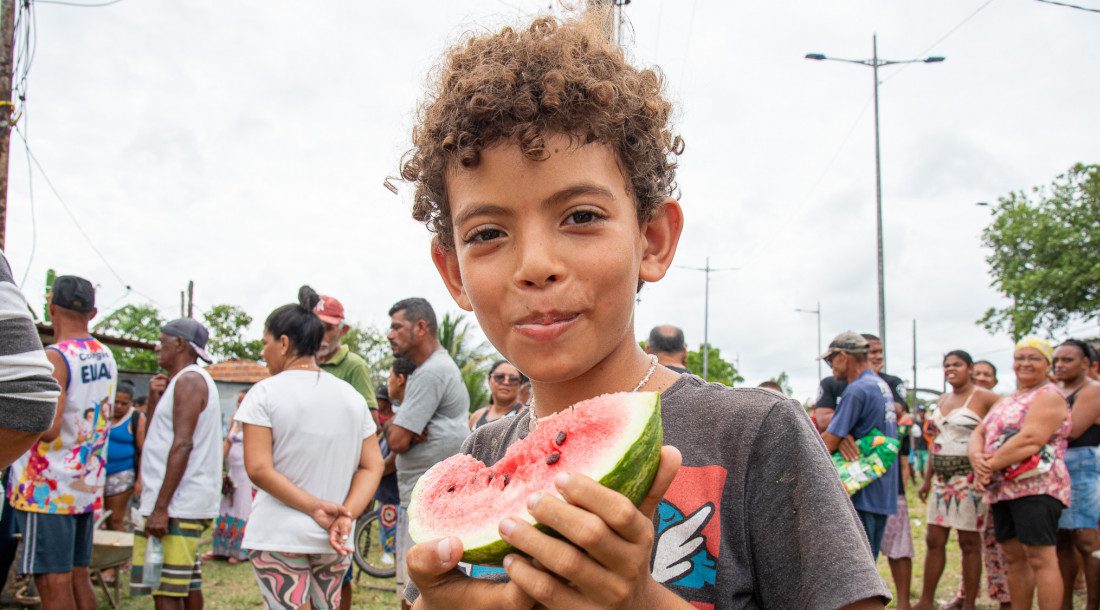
370,551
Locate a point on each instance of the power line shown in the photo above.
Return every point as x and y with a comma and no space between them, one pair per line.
1080,8
943,38
68,211
79,4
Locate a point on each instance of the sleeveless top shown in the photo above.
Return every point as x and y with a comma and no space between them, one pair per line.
484,419
66,476
121,447
952,439
1005,419
1091,436
198,495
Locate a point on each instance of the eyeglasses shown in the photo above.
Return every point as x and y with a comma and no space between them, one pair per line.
504,378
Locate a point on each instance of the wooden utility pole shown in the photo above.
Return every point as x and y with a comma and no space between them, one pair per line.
190,299
183,307
7,61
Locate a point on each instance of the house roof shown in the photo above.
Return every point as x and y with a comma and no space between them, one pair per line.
238,370
46,331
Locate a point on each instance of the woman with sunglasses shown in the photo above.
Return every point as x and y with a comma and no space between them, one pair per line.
1018,457
504,383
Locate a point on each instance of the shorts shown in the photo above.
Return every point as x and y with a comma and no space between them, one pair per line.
874,525
897,539
119,483
54,543
404,543
1032,519
954,503
182,571
289,580
1084,481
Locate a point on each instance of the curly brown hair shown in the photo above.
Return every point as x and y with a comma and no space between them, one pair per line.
525,86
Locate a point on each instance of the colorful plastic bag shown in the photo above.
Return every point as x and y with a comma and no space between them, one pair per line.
877,453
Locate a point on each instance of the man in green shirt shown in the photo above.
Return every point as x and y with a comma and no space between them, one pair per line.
338,359
335,357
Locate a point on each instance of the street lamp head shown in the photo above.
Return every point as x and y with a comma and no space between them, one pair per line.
935,59
817,56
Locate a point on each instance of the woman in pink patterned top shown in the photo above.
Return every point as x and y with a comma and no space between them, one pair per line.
1017,453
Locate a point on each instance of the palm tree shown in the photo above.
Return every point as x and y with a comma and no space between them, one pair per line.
470,355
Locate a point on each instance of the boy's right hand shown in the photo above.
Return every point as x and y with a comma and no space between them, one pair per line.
432,565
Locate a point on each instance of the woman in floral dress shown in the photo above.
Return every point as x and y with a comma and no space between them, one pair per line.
236,499
952,500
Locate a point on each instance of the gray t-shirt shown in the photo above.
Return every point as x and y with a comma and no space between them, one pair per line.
436,400
756,517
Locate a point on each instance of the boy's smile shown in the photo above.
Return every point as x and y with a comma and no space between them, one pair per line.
548,255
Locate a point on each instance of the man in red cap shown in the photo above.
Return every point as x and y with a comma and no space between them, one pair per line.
338,359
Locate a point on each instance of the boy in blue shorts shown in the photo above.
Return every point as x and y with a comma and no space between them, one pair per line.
545,165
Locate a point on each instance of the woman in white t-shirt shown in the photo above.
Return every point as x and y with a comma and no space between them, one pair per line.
311,450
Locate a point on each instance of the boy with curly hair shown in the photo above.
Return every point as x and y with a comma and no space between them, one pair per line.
545,165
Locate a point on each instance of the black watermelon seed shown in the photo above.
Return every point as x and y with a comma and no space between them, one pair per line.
506,479
451,488
560,438
554,457
490,477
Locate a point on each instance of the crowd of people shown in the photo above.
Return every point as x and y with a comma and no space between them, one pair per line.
1016,476
747,509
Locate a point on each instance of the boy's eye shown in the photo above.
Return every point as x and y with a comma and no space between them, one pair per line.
484,235
580,217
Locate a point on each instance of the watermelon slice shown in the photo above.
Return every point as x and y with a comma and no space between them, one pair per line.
614,439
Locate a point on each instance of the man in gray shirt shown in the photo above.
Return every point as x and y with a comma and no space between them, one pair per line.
431,424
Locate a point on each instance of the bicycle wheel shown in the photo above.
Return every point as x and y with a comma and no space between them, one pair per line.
370,554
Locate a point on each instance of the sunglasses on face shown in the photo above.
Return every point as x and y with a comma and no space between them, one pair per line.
504,378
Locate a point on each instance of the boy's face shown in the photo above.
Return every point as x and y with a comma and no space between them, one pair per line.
548,254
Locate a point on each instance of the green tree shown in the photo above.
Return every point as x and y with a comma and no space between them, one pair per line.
717,369
784,382
141,322
471,356
371,343
1046,254
227,324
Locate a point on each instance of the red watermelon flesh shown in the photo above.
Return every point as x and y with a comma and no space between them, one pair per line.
615,439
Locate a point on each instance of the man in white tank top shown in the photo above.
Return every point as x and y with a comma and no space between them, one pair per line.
57,486
181,465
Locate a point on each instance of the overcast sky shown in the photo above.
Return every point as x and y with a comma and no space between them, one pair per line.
243,145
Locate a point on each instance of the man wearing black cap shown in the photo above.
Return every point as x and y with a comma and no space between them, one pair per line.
181,466
867,403
57,486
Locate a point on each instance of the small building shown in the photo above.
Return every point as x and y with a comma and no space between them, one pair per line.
232,377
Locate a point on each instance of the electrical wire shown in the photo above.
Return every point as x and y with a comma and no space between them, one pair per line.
687,47
79,4
1080,8
30,199
65,206
941,38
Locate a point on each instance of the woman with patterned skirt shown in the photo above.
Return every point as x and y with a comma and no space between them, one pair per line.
236,499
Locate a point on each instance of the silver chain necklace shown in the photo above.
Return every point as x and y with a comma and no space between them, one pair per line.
531,407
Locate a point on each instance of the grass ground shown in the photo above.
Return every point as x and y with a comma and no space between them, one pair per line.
229,587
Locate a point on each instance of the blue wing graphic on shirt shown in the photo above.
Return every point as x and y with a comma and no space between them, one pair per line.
680,555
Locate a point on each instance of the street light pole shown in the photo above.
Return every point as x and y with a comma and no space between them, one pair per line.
707,270
816,312
875,63
878,208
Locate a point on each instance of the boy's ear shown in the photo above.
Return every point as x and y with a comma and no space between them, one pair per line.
446,262
662,235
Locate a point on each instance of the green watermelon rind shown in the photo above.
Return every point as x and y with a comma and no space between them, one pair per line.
631,476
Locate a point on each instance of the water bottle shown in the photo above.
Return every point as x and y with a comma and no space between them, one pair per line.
154,562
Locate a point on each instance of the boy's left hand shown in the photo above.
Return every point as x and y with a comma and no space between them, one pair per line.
610,569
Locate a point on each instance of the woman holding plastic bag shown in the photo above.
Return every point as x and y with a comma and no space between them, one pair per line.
1017,455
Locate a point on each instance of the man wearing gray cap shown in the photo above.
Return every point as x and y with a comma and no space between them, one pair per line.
181,466
866,403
